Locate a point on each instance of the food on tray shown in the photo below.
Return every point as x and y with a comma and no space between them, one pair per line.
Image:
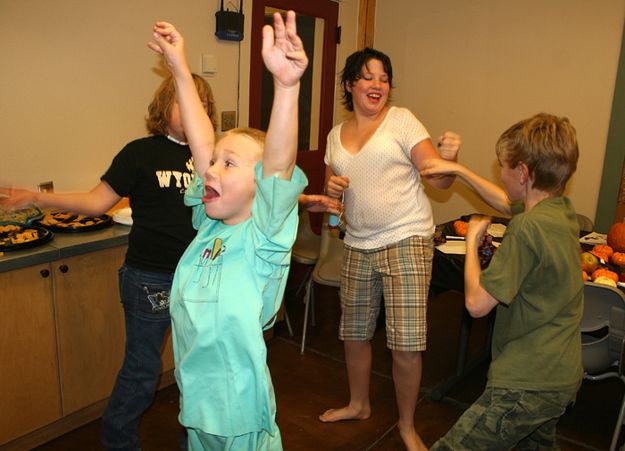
21,215
61,220
13,234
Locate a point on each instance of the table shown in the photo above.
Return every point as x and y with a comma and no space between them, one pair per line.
448,274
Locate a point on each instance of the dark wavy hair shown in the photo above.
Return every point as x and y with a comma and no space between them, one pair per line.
352,72
159,109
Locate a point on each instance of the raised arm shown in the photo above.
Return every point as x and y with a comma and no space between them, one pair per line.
492,194
478,301
93,203
284,56
196,123
448,146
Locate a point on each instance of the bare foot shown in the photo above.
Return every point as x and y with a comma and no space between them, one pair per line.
412,440
345,413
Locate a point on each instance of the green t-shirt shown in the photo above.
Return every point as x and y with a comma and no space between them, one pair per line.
535,276
228,286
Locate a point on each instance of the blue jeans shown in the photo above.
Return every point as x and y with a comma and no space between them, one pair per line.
145,298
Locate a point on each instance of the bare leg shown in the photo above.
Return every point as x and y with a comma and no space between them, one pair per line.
407,378
358,361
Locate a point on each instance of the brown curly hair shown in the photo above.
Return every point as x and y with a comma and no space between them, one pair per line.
159,109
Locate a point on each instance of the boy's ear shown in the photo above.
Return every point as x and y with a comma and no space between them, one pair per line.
524,173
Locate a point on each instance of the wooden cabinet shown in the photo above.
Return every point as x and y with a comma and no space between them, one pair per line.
29,379
61,345
90,325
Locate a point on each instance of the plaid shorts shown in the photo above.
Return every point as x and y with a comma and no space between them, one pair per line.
402,272
504,418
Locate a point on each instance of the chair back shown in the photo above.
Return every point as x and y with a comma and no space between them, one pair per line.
328,268
585,223
603,327
307,243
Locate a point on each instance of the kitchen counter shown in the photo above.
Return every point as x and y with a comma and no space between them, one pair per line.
65,245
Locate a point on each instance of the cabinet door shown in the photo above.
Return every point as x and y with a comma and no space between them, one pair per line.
90,325
29,379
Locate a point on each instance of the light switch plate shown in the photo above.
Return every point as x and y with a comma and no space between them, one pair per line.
46,187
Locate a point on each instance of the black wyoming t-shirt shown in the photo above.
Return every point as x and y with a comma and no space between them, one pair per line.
154,173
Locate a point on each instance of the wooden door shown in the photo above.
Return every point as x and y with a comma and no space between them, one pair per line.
90,326
30,394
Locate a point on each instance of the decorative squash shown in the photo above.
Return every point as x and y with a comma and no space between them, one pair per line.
618,258
460,227
603,272
605,281
602,251
616,237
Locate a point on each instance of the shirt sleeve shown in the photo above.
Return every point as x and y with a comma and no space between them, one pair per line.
411,131
122,174
510,265
193,198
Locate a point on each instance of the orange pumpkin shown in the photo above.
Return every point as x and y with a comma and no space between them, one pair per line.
460,227
584,276
616,237
618,258
602,251
603,272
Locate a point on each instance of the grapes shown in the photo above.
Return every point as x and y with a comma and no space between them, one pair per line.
485,250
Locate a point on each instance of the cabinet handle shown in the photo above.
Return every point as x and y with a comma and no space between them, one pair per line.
44,273
63,268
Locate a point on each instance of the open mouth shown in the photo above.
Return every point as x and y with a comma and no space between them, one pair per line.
209,194
374,96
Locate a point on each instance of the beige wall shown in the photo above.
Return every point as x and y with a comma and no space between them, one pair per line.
77,77
478,67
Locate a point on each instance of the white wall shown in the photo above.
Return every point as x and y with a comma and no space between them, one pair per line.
77,78
477,67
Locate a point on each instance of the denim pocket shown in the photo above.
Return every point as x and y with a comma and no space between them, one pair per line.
145,293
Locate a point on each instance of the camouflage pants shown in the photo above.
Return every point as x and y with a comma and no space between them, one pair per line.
502,418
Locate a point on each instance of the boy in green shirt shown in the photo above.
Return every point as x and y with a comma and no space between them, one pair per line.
533,281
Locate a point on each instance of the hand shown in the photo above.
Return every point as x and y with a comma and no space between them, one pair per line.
437,166
319,203
283,51
448,146
336,185
169,43
15,198
476,230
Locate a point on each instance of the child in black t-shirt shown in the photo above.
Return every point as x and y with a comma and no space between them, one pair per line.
153,172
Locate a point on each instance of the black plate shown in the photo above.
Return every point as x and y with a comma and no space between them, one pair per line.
71,223
45,235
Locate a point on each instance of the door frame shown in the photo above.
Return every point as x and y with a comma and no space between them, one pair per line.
311,162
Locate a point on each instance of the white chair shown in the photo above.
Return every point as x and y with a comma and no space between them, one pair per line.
327,271
585,223
306,252
603,335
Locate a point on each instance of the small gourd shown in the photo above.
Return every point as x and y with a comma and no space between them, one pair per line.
618,258
603,272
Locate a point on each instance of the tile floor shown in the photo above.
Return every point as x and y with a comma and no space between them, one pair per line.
307,385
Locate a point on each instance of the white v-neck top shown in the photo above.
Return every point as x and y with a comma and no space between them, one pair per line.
386,201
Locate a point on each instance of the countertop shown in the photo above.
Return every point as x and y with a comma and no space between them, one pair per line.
66,245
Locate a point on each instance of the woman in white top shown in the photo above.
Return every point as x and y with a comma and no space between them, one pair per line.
373,160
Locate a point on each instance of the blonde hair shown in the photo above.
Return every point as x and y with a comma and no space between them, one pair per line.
159,109
547,144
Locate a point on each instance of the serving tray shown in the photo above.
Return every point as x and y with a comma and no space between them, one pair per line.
15,236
